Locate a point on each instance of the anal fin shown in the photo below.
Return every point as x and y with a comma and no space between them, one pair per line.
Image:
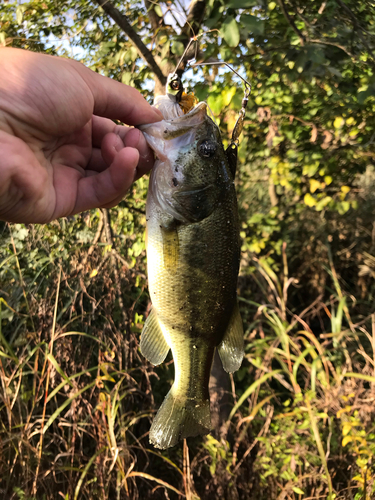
153,344
231,348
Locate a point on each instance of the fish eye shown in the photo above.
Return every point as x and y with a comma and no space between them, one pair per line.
207,149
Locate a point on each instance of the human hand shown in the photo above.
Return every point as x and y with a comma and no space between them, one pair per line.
60,152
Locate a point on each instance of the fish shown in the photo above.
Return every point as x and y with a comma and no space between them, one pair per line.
193,255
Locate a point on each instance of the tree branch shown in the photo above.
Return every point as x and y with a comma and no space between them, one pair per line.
194,18
122,21
155,20
291,22
191,28
328,42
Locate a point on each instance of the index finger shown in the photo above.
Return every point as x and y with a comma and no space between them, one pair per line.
118,101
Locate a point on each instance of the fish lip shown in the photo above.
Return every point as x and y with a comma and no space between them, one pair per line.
198,108
201,107
161,133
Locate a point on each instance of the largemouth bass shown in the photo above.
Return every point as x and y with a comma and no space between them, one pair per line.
193,252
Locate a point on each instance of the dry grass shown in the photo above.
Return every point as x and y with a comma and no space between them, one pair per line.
77,398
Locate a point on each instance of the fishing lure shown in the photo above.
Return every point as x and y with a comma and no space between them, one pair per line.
175,91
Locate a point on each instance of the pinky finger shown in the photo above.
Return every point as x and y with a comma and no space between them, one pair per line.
107,188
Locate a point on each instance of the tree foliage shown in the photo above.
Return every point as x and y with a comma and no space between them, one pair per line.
76,409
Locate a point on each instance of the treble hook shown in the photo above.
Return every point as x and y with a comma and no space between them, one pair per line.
174,83
191,41
219,63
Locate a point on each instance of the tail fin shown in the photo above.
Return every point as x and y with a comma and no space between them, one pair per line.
179,418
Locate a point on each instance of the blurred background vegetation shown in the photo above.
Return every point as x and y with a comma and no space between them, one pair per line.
76,396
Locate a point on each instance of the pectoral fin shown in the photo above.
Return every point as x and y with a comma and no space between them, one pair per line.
196,204
231,348
153,345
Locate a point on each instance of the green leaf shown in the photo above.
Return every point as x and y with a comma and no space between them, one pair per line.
322,203
328,179
314,185
131,55
228,95
214,17
309,200
339,122
346,440
20,232
215,103
343,207
53,361
19,14
126,77
158,10
363,95
335,71
253,24
241,4
230,31
177,48
298,490
165,50
316,54
225,52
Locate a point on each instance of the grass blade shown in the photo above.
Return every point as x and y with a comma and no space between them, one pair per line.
250,390
85,471
65,404
157,480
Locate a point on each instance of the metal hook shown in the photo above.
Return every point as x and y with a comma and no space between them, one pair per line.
174,83
219,63
191,41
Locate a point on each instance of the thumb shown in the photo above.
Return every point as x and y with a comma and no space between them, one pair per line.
118,101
